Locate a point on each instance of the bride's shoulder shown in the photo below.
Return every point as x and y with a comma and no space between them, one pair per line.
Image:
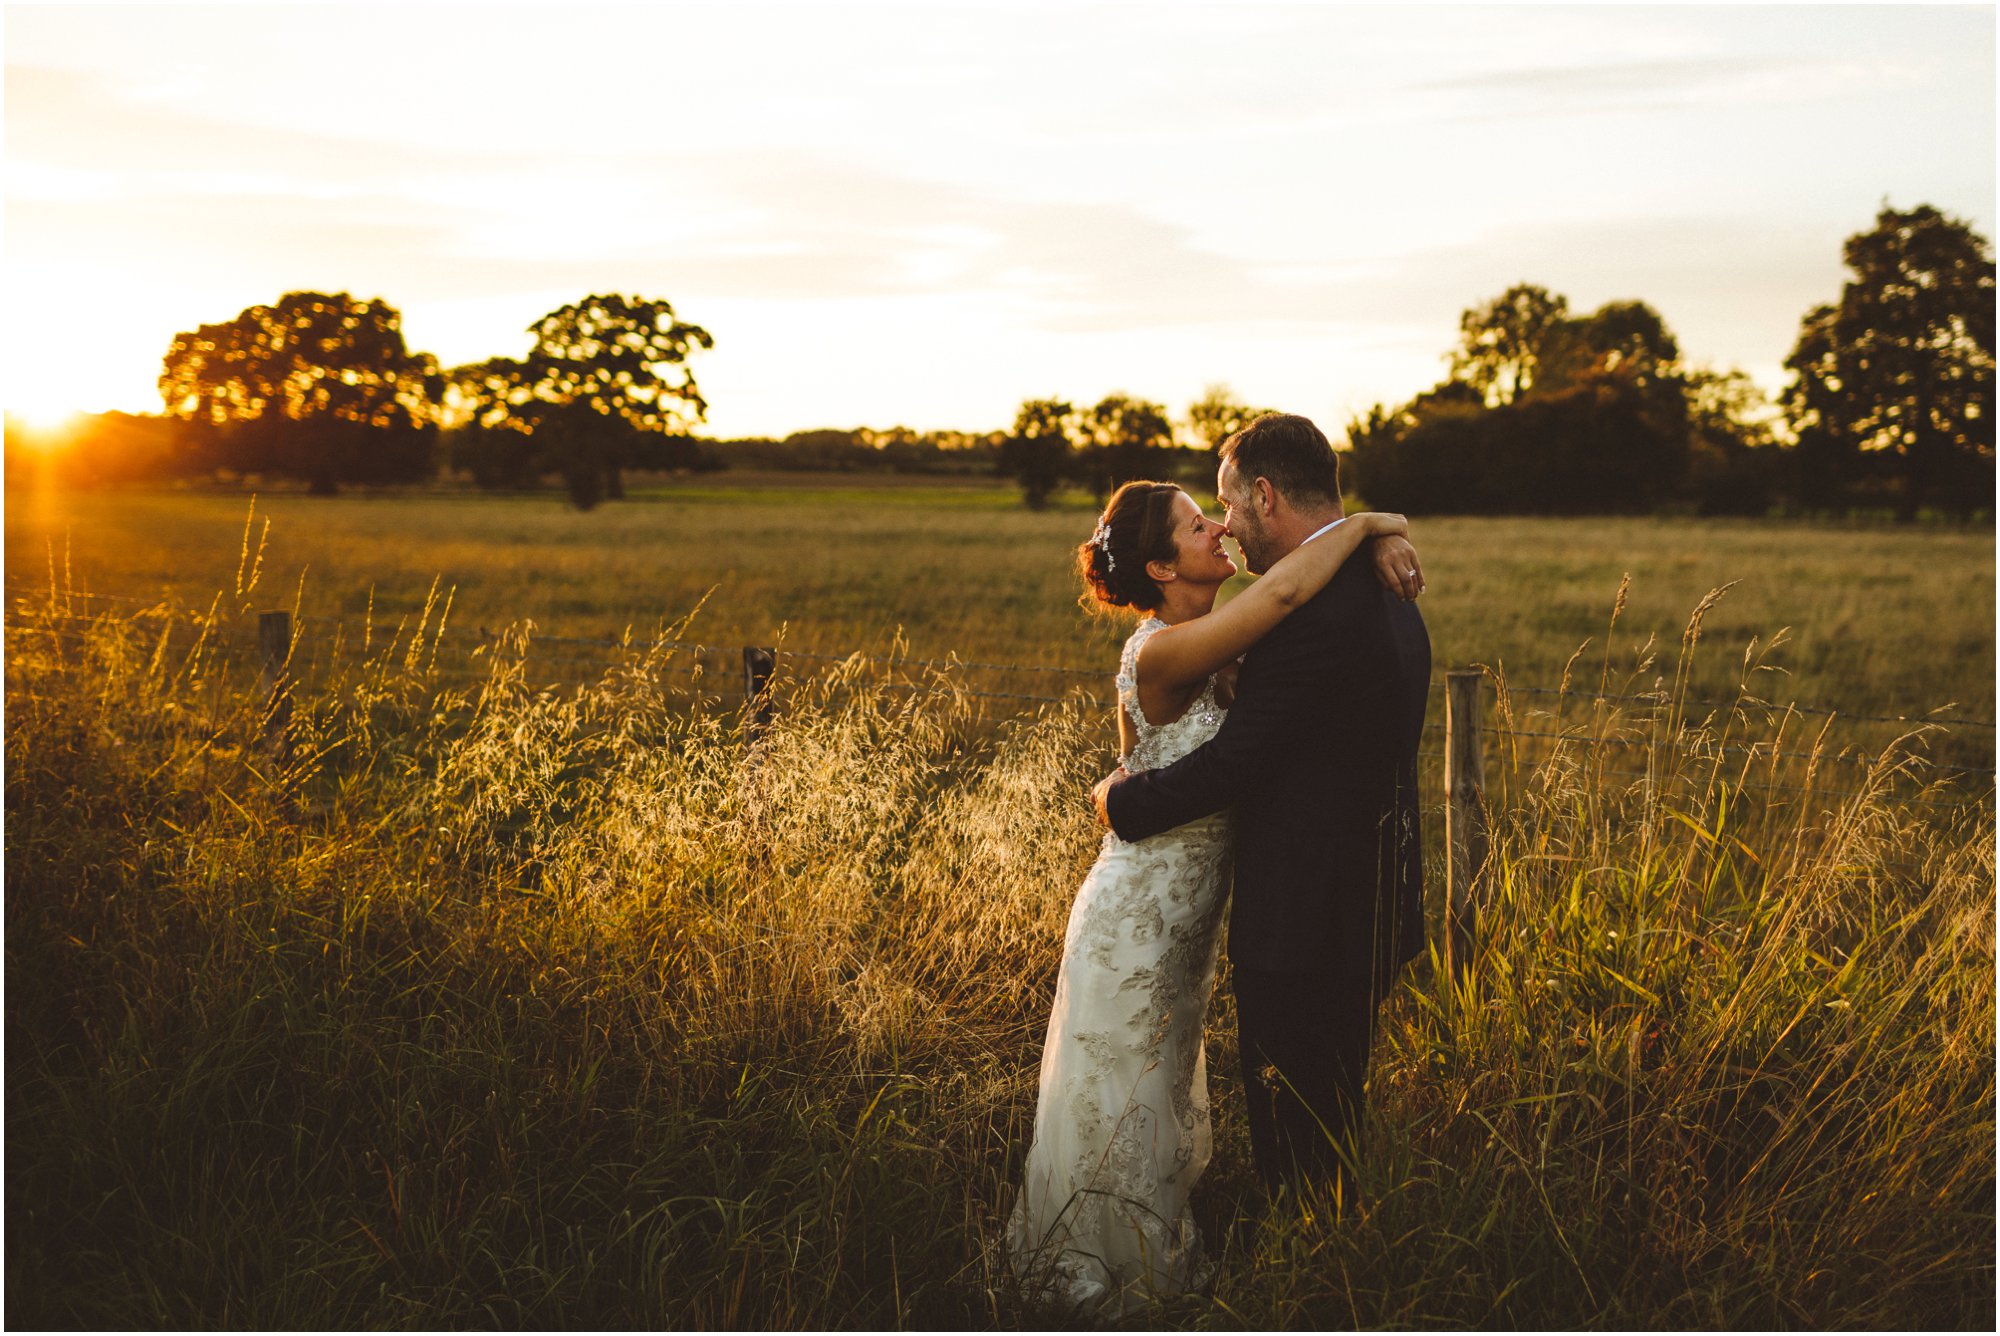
1147,628
1128,657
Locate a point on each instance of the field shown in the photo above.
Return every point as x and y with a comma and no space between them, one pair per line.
484,1004
1877,620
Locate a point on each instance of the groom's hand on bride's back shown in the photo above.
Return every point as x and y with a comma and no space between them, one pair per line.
1098,796
1396,566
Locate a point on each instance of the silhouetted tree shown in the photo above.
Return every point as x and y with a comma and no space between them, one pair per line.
1893,388
1218,415
902,450
1593,448
1627,426
1037,453
1126,438
879,450
1733,464
1375,438
495,442
316,386
604,373
672,453
1504,342
1627,339
1596,413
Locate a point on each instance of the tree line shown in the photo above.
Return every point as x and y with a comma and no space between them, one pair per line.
1548,411
323,387
1119,438
1889,406
1543,410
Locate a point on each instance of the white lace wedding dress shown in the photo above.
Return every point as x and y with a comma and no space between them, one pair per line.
1121,1125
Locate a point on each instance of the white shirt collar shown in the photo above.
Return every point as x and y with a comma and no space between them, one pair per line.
1323,528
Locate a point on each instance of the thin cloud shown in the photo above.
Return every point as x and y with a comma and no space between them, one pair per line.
84,122
1688,77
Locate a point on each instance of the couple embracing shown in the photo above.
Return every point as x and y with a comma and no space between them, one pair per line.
1296,707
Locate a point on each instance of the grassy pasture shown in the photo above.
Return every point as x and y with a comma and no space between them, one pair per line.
1876,620
502,1006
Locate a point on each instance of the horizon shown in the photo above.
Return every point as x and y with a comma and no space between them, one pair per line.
897,217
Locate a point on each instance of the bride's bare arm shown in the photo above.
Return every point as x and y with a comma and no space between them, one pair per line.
1183,655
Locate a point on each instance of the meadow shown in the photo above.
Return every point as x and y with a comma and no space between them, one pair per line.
484,1002
1881,620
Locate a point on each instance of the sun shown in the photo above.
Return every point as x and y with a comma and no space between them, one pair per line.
47,420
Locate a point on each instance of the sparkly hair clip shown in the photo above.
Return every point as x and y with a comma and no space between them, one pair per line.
1102,541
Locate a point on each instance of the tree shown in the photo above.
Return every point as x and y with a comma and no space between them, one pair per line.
1733,464
598,382
1127,438
1892,388
1038,450
1218,415
1505,342
1525,342
492,439
1728,404
838,449
1627,339
1590,449
317,386
1600,415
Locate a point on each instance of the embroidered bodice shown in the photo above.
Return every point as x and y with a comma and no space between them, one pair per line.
1165,743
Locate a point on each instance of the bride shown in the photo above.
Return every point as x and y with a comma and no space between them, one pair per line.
1121,1125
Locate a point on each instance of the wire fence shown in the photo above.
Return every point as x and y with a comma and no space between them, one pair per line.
1531,721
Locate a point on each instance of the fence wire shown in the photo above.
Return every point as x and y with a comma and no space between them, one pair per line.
483,635
701,671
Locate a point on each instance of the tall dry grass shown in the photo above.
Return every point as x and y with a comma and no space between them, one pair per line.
493,1005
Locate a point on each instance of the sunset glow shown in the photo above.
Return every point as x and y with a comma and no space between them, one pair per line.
923,215
46,422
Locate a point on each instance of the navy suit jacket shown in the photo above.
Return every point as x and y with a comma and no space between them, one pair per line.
1319,758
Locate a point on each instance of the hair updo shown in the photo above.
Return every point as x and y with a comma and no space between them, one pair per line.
1138,527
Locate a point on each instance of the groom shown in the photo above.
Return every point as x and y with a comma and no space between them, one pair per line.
1319,758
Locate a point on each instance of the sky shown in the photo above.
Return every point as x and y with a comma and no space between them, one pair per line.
922,215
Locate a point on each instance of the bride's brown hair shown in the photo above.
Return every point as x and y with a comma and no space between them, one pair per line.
1136,527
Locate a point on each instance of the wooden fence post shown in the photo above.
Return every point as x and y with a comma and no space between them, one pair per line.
274,643
758,665
1465,818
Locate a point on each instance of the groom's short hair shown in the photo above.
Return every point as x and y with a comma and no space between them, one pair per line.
1288,451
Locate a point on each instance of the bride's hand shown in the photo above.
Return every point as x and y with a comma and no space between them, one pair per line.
1097,796
1396,565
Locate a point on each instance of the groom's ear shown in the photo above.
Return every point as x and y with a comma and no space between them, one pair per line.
1267,497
